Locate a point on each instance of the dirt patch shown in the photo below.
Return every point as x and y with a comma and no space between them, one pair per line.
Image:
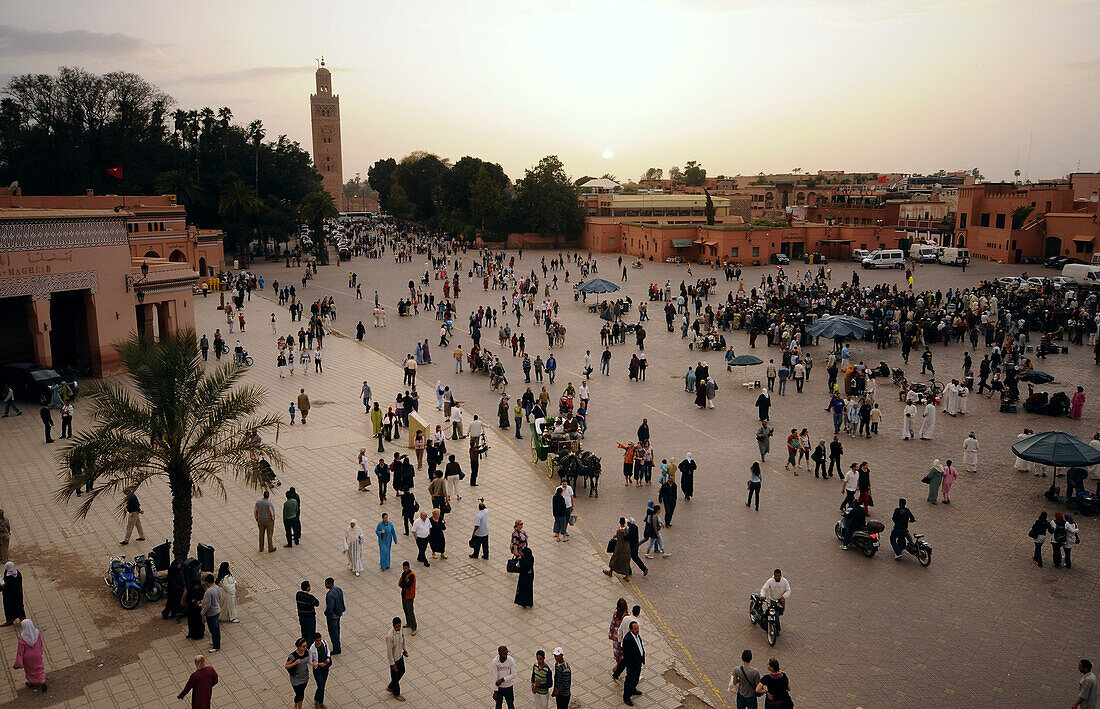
693,702
67,571
673,677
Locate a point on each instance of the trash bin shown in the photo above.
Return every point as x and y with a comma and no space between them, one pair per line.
192,572
206,557
161,555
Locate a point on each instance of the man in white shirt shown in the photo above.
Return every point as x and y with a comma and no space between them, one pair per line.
481,531
456,422
396,654
421,528
584,393
567,493
477,427
504,675
777,589
851,484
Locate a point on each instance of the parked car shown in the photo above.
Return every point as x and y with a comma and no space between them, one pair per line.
1063,283
1010,281
31,382
1052,262
781,259
859,254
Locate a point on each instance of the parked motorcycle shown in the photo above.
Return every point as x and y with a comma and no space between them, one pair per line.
920,549
151,586
121,577
866,539
766,618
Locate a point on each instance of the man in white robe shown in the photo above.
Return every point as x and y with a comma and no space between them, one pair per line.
970,453
908,422
951,398
353,546
928,426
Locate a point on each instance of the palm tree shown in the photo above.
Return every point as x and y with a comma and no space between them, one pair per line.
225,119
181,184
238,200
315,208
177,422
256,136
1020,215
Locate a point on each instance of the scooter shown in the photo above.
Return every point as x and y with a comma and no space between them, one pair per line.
151,586
768,618
919,548
866,539
121,577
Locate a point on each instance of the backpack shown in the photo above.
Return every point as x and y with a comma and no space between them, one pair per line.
1059,534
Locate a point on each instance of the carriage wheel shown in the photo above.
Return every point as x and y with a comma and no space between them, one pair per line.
549,466
534,450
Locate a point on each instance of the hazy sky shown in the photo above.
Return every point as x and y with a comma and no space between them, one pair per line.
742,86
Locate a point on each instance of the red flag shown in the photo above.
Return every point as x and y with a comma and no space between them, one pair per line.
881,178
115,171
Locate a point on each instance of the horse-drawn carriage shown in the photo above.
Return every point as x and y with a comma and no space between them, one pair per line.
564,456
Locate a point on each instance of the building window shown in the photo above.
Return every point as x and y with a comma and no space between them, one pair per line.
756,252
733,251
962,220
1083,247
1000,221
985,219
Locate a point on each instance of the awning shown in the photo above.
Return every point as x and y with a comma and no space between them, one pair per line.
1083,239
681,243
836,241
711,243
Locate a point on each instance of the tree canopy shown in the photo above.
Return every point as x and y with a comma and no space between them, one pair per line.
60,133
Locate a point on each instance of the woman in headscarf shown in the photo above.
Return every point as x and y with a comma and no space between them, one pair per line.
1077,404
11,585
425,352
362,475
934,477
1071,538
436,539
620,553
419,353
632,368
525,591
174,592
201,682
687,476
228,584
689,379
763,404
192,603
439,389
387,538
28,655
701,392
613,631
389,424
710,391
353,546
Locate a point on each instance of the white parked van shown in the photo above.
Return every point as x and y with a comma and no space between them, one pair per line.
1096,259
955,257
859,254
887,258
922,253
1086,274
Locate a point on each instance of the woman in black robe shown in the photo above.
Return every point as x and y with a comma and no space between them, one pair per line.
436,538
687,476
667,495
701,393
525,586
12,590
174,593
192,601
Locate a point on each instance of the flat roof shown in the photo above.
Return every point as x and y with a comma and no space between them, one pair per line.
23,213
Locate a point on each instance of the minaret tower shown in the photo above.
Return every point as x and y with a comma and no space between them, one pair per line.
325,116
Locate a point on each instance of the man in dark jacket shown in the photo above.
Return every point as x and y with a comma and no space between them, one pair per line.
899,535
307,610
47,422
634,658
633,539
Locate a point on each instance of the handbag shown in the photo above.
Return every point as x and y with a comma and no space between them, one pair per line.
513,565
611,545
473,544
926,479
572,520
446,508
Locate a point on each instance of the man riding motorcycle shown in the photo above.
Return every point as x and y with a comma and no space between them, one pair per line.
776,589
900,535
855,519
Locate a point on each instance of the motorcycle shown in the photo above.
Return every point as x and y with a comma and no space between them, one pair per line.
151,586
866,539
121,577
242,358
919,548
768,618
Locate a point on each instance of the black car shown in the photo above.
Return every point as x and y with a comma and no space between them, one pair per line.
1052,262
781,259
31,382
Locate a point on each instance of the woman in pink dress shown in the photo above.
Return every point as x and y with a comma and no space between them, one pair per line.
29,656
1077,404
950,473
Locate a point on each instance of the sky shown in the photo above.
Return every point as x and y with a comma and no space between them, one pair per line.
617,86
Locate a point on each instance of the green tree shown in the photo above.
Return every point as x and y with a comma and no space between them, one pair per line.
420,175
314,209
237,203
1020,215
653,173
694,174
709,210
178,422
256,135
676,175
179,183
546,201
380,178
487,199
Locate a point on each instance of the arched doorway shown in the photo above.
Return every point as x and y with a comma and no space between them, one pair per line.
177,256
202,267
151,254
1052,246
960,241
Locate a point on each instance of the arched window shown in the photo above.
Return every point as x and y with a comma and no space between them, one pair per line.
177,256
151,254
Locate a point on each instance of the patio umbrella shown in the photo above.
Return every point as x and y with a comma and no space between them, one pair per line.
1036,377
745,361
597,285
1056,448
842,326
